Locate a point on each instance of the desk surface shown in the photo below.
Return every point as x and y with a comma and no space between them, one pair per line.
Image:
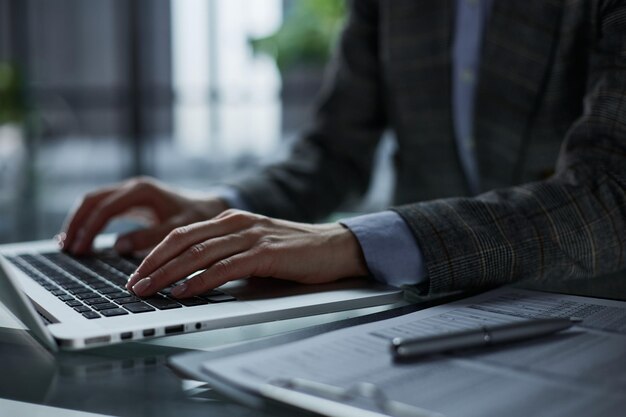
133,379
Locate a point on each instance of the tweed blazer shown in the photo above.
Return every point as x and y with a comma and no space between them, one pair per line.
549,129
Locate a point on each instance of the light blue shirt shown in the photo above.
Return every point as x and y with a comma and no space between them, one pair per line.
390,250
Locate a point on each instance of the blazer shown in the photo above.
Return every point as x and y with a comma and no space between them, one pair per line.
549,131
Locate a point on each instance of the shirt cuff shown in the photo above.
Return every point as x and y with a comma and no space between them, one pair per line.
231,196
391,252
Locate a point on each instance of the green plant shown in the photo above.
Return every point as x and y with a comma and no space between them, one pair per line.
12,106
309,30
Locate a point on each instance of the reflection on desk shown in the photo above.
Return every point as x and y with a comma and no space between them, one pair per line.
130,379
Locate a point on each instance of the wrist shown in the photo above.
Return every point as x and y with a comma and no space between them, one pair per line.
352,256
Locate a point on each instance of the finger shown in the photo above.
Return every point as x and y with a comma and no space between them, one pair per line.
182,238
76,219
241,265
145,238
194,259
111,206
59,239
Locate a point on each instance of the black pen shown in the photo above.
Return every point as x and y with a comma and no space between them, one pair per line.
404,349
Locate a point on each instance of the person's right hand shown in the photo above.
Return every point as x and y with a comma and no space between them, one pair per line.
168,208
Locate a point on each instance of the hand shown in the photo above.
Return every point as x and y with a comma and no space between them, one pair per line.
237,244
167,210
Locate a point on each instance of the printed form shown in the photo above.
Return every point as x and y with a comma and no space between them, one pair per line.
581,371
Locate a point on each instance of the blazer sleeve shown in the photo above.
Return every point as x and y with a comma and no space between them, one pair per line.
570,225
332,161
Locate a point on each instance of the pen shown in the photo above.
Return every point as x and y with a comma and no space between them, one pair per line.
404,349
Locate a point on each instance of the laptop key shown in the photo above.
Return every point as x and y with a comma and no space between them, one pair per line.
104,306
138,307
86,277
91,315
61,280
219,298
65,297
120,281
107,289
87,295
57,292
99,285
94,301
82,308
73,303
162,303
212,292
73,286
114,312
118,294
190,302
120,264
103,270
133,261
79,290
126,269
127,300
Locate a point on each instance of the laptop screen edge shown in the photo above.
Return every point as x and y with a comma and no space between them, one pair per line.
17,302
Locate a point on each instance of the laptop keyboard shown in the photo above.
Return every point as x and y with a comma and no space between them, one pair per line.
95,286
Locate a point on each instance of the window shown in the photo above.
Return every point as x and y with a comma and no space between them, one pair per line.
120,88
109,89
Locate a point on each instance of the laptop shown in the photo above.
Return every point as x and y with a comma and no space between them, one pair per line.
73,303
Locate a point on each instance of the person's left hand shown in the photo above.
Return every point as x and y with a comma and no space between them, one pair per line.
237,244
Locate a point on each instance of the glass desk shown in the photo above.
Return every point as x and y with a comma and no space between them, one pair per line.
133,379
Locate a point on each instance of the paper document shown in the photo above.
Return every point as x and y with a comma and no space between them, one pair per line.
581,371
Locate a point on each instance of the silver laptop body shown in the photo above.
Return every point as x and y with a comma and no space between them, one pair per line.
58,315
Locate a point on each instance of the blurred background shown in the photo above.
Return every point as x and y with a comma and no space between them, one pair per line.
188,91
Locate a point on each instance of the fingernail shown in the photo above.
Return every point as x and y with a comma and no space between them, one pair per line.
123,246
130,278
142,286
179,290
60,239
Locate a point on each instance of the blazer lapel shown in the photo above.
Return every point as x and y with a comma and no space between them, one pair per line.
518,47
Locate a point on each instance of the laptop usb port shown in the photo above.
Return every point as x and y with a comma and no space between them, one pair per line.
97,340
148,332
174,329
126,335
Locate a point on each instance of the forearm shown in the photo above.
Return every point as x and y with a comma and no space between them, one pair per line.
571,225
